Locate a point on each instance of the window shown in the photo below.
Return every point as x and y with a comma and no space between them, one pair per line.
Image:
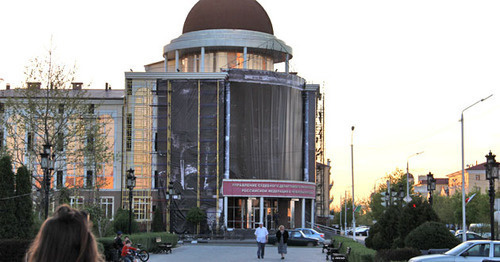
156,180
61,109
481,250
497,250
91,109
30,141
142,208
156,142
129,87
76,202
478,177
60,142
90,142
129,132
2,108
89,178
107,207
59,178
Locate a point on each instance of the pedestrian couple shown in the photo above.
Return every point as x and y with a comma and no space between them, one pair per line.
261,235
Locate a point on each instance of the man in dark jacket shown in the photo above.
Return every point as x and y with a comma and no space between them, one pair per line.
118,245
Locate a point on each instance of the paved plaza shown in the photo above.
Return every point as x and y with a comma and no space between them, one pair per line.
236,252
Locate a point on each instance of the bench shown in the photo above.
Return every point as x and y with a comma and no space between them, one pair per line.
164,247
341,257
331,250
327,246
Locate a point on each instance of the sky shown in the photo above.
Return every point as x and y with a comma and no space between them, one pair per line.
401,72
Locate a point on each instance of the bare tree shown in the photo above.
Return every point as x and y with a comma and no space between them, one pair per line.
50,109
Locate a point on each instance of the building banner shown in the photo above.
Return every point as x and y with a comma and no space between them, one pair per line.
262,188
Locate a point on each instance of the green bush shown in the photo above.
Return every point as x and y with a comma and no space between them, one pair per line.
147,240
359,253
400,254
120,222
431,235
13,249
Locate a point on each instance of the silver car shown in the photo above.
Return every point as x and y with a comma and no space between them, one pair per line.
313,233
471,251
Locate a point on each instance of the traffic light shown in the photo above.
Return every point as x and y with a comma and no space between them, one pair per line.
384,198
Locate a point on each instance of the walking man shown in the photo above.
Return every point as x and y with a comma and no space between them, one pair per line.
261,236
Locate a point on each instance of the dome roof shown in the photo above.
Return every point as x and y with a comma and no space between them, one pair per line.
228,14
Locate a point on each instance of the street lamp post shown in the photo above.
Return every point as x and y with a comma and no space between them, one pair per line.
352,171
171,195
431,186
47,166
408,197
130,185
464,224
491,175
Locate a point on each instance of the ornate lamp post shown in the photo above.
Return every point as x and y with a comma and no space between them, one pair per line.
171,195
47,166
130,185
431,186
492,174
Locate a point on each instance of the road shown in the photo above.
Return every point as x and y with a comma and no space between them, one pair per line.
236,253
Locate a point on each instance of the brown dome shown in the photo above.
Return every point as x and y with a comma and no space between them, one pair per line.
228,14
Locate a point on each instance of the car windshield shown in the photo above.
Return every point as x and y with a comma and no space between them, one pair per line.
458,249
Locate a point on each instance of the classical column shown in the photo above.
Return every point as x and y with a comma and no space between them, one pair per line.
261,213
225,211
303,212
202,60
177,60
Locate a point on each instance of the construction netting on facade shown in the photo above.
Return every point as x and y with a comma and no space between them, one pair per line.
267,138
192,148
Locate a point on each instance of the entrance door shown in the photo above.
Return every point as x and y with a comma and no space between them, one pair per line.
255,217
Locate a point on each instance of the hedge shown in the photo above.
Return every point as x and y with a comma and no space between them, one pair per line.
147,240
13,249
359,253
400,254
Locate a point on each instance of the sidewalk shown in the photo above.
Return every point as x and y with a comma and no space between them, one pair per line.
235,251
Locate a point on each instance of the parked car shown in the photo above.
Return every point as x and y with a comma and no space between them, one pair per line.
475,250
296,238
313,233
360,231
470,236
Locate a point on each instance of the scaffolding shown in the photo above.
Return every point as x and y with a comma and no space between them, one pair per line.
187,136
138,142
321,184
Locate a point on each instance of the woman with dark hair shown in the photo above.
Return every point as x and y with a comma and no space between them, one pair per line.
65,237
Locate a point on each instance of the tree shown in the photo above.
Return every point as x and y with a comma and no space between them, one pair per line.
431,235
195,215
120,222
8,224
24,204
50,110
416,213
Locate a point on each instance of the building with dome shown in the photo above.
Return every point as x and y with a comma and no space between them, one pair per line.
213,125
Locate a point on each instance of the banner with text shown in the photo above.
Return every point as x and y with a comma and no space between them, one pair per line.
263,188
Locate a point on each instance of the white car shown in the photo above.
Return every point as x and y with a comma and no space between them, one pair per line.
471,251
309,232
